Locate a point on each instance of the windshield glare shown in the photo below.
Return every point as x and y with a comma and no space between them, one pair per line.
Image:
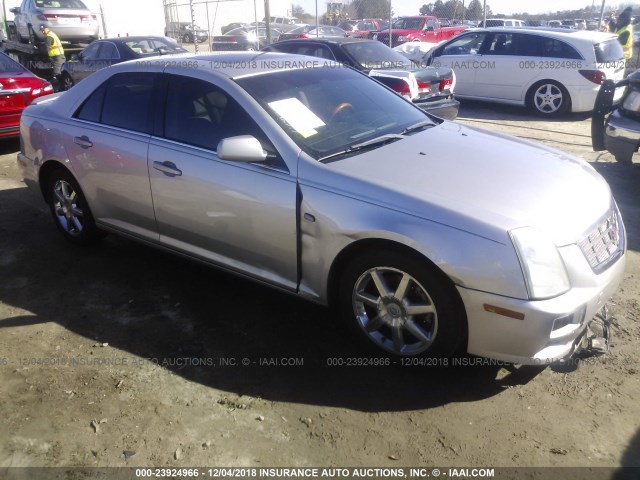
375,55
327,110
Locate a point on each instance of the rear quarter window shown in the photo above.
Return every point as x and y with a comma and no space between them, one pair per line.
608,51
553,48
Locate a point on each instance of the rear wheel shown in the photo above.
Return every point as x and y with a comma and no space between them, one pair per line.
67,81
401,306
70,210
548,98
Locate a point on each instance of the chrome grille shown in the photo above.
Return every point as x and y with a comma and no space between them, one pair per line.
604,243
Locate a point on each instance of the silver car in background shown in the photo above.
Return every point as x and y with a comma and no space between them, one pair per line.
425,235
70,20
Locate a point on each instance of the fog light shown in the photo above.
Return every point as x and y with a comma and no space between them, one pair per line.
575,318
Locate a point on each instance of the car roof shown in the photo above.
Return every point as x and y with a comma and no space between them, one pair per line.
559,33
334,40
132,39
234,64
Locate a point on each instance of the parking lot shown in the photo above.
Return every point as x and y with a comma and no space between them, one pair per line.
121,355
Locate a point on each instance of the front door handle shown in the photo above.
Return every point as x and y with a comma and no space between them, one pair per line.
168,168
83,141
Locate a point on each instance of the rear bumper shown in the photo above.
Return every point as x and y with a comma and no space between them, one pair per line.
447,108
621,135
73,33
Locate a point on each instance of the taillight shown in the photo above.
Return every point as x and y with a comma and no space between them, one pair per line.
595,76
400,87
302,35
89,18
446,84
423,85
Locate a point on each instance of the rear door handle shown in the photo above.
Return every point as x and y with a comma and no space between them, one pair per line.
83,141
168,168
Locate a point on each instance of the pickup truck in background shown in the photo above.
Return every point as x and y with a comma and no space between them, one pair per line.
418,29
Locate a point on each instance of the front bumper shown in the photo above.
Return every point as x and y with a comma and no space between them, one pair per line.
446,109
533,340
621,135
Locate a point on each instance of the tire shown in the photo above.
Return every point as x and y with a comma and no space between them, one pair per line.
624,159
420,315
187,38
70,210
67,81
548,98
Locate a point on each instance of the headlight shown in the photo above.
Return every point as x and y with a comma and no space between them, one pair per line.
544,271
632,102
402,38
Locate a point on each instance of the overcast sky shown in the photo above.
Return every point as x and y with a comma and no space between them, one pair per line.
411,7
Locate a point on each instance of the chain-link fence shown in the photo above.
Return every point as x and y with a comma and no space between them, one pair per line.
193,21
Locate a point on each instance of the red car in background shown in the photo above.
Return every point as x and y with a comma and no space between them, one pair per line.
18,88
418,29
362,28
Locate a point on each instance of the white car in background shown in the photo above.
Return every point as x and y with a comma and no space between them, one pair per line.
551,71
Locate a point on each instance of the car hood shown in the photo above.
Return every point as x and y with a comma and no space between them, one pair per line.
477,181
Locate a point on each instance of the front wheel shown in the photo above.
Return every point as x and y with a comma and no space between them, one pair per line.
70,210
187,38
624,158
401,306
548,98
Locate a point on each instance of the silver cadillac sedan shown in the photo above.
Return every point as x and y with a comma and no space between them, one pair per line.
426,236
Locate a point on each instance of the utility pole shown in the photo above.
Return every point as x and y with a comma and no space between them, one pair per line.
390,23
267,19
193,23
484,14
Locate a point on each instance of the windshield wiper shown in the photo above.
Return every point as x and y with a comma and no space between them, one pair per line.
418,126
373,143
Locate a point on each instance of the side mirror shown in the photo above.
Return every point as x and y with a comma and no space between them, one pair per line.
244,148
75,57
15,10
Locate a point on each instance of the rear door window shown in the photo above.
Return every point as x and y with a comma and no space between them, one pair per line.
124,101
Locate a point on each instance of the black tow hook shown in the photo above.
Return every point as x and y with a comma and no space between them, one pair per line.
597,335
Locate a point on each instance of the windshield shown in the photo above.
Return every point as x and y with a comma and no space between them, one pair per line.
60,4
376,55
328,110
409,24
9,66
305,29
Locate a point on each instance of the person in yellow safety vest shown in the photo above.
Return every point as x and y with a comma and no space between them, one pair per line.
55,51
624,30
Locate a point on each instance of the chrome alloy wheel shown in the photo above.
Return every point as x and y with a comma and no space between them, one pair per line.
395,311
68,213
548,98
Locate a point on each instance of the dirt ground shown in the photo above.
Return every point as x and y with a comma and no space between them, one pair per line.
122,355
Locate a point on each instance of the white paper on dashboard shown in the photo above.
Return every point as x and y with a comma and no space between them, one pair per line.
296,114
